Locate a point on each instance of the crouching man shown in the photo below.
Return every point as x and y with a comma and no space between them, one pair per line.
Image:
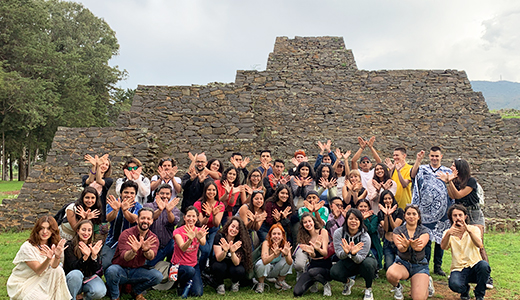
467,266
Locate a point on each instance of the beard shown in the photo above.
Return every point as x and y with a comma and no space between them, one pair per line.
143,226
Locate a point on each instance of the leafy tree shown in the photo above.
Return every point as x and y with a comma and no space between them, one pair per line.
55,72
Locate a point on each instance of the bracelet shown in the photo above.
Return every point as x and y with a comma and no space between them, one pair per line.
93,173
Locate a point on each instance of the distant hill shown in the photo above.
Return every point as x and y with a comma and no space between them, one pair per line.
499,94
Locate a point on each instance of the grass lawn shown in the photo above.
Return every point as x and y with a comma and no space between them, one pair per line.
9,189
503,250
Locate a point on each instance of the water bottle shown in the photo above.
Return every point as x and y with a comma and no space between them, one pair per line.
187,289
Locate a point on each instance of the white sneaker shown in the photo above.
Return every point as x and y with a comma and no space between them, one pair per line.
314,288
431,288
235,287
398,292
368,294
221,289
347,287
260,287
284,286
327,290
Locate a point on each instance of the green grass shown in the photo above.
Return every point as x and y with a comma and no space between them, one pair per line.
503,250
6,187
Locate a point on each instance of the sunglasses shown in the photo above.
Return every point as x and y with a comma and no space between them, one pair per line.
134,168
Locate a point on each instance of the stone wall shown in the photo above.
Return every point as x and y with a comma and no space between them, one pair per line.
311,90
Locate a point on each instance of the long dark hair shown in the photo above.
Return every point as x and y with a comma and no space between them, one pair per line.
413,206
204,198
225,174
75,240
464,172
96,205
305,164
382,197
220,167
54,239
250,204
386,176
274,198
251,174
303,235
319,171
357,214
245,251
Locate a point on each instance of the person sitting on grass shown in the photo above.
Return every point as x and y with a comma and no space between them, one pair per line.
233,255
352,247
276,259
467,264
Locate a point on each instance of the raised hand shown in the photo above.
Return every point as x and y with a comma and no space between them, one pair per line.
190,232
355,248
333,182
94,250
218,208
203,175
260,217
202,232
173,172
127,204
307,181
388,184
134,243
249,190
227,186
224,244
244,163
376,184
148,243
81,212
276,250
401,239
328,145
416,244
172,204
383,209
307,248
93,214
234,162
297,181
389,164
286,212
160,203
193,173
318,205
308,205
207,209
345,245
233,247
113,202
362,142
128,174
88,158
192,157
391,210
286,251
162,173
371,141
48,252
346,155
85,250
420,155
294,161
277,215
250,216
315,245
322,147
337,152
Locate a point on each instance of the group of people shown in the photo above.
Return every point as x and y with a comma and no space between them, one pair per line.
334,220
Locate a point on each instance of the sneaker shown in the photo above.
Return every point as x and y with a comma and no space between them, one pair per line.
235,287
327,290
314,288
368,294
260,287
271,279
398,292
282,285
431,288
489,283
439,271
221,289
347,287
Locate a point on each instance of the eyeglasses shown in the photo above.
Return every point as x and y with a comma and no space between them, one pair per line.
412,205
134,168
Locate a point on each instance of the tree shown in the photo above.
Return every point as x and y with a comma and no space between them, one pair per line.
55,72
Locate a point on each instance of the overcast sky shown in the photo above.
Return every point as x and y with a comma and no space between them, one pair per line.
195,42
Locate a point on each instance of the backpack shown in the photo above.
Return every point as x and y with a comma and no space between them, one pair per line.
61,215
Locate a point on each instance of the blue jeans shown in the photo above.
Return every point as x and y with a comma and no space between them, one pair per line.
389,251
479,274
163,253
107,254
206,249
140,278
185,274
437,254
94,289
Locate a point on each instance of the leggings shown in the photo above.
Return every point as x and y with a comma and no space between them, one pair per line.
226,269
318,271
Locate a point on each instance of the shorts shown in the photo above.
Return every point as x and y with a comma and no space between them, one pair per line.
421,267
476,216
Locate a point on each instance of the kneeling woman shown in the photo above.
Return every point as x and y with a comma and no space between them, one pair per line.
187,240
276,260
410,240
82,261
38,274
352,246
313,244
232,248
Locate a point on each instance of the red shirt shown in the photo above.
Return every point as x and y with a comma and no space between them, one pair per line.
122,246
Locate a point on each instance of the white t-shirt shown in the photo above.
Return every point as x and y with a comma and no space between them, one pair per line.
177,179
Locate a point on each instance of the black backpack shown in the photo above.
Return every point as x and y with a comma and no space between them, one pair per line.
61,215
